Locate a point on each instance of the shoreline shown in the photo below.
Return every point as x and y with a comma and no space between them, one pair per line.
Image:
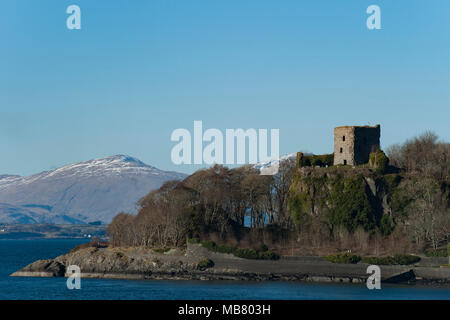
144,264
238,278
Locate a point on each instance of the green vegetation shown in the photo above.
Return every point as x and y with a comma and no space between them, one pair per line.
245,253
351,206
300,207
397,203
343,258
192,240
402,211
398,197
379,161
205,264
161,250
437,253
255,254
398,259
387,226
317,160
212,246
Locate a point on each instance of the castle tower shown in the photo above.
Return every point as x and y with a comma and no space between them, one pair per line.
353,144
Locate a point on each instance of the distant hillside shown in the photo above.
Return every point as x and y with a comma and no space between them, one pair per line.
31,214
81,192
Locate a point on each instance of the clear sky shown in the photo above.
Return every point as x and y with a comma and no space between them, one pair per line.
137,70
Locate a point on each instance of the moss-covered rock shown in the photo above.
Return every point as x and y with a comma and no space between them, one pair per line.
350,204
379,161
349,197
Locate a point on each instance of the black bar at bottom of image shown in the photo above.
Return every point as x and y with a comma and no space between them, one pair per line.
231,309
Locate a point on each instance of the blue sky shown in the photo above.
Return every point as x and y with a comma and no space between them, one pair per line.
137,70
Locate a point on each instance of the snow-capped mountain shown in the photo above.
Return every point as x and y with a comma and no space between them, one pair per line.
270,167
82,192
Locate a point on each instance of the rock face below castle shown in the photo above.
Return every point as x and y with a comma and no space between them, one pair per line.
353,144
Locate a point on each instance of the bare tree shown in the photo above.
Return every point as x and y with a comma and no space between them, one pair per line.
281,184
120,229
423,154
429,215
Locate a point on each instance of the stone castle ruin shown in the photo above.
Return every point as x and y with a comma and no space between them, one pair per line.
353,144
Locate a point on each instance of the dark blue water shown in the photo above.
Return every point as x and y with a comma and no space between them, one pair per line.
15,254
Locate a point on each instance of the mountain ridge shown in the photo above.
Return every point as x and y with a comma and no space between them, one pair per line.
85,191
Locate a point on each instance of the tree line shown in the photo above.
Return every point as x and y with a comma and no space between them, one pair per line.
218,200
238,204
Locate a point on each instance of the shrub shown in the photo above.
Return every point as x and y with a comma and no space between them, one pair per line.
205,264
351,206
245,253
210,245
161,250
406,259
398,259
343,258
225,249
437,253
193,240
328,159
305,162
379,161
316,160
379,260
386,225
392,181
254,254
268,255
300,206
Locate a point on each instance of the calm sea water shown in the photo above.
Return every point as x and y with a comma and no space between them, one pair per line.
15,254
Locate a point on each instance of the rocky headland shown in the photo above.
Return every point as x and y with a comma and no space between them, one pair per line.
141,263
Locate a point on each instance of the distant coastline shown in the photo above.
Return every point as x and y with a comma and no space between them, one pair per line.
51,231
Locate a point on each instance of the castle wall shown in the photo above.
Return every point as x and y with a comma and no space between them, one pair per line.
353,144
367,140
344,145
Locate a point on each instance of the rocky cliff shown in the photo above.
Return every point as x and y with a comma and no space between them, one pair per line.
347,196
